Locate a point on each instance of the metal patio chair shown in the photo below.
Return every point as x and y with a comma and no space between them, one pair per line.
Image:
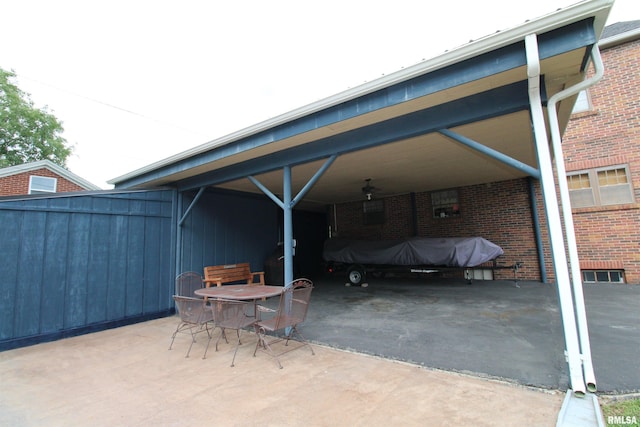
187,283
195,318
292,310
230,314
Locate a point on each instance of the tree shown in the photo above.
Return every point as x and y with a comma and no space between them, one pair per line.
27,133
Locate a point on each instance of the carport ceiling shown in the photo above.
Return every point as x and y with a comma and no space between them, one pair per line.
422,163
387,130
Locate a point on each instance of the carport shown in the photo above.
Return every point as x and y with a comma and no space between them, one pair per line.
491,110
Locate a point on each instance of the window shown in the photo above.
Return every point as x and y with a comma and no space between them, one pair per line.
583,102
600,187
373,212
42,184
445,203
603,276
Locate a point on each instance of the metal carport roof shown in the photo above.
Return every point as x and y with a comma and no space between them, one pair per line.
477,90
473,115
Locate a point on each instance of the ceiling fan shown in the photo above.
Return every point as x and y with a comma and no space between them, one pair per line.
368,190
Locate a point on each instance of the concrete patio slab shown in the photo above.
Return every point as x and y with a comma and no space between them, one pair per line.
126,376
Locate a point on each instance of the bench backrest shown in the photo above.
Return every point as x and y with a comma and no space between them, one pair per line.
219,274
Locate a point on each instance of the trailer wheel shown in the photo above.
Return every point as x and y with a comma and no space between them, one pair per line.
355,274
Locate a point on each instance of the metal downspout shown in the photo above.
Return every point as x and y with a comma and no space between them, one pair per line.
532,172
559,255
517,164
536,228
572,246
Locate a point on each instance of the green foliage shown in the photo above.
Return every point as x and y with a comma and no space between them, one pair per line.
27,134
625,412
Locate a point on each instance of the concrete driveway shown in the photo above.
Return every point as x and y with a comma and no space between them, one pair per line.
490,328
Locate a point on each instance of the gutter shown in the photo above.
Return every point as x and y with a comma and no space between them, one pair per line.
572,246
627,36
554,223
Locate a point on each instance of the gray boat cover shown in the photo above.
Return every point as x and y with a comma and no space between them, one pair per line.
448,251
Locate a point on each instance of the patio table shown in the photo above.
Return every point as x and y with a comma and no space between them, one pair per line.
241,292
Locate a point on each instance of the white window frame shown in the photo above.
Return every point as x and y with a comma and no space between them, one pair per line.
42,184
603,276
597,190
445,203
373,212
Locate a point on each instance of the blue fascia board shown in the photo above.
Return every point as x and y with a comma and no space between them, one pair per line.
564,39
493,103
552,43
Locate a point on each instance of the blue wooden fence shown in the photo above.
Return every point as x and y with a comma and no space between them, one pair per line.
226,228
71,264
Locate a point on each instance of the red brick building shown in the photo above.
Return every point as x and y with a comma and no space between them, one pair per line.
602,152
500,212
40,177
602,156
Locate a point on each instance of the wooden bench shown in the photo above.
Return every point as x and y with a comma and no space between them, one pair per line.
219,274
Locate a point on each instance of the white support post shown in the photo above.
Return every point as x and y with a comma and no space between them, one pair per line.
556,235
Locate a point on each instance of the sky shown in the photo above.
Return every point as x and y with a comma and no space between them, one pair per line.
137,81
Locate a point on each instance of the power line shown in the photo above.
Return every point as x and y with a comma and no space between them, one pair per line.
115,107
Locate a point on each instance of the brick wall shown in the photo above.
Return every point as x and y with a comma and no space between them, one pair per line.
609,237
19,183
499,212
